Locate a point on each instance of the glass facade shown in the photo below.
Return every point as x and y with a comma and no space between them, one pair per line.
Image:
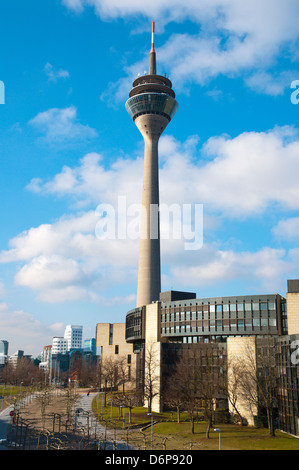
287,370
134,325
202,319
212,319
151,103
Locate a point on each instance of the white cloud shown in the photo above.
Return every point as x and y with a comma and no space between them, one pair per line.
271,84
234,37
237,178
65,261
287,229
262,270
23,330
54,74
61,125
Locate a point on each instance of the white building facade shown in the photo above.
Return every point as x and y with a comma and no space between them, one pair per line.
73,335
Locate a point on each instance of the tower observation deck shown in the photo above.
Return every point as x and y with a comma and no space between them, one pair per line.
151,105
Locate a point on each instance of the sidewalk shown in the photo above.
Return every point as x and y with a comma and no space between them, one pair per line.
5,420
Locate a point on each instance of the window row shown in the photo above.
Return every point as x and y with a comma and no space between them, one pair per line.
221,324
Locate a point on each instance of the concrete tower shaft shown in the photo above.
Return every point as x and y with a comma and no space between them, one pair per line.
151,105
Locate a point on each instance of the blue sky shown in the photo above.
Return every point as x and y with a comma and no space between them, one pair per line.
68,145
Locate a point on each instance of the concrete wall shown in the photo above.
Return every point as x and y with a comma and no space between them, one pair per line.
118,339
293,312
240,350
153,354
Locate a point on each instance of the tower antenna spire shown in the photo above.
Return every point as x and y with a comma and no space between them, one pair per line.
152,61
153,37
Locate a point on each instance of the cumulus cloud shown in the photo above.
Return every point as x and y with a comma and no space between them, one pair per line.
237,177
22,328
261,269
65,261
61,125
234,38
234,178
54,74
287,229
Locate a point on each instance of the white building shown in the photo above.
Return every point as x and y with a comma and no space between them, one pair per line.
73,335
59,345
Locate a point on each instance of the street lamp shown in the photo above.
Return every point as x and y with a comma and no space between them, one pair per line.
152,430
123,407
219,430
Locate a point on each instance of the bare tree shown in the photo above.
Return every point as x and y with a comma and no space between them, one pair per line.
199,380
259,379
234,391
151,374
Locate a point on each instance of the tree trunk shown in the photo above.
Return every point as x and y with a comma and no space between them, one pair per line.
270,423
192,424
208,428
178,413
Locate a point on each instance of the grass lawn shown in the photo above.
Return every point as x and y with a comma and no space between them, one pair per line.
170,435
233,437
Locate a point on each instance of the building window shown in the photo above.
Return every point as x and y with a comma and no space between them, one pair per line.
116,350
129,358
110,334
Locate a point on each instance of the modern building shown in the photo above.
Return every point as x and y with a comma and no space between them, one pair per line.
59,345
3,352
163,325
90,345
73,335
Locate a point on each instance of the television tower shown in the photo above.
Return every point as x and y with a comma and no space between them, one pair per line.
151,105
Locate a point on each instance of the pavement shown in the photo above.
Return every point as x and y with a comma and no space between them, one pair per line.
85,422
5,420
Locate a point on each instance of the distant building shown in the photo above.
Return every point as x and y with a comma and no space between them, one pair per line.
73,334
3,352
90,345
59,345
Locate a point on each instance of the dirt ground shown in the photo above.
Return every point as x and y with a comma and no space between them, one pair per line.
49,409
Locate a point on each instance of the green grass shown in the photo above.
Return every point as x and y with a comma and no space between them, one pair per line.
177,436
233,437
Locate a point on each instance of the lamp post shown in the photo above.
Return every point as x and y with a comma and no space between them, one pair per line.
152,430
219,430
123,407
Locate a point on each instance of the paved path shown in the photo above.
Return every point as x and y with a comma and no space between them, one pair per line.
5,420
85,419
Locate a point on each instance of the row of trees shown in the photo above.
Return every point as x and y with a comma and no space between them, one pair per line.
197,382
25,371
204,378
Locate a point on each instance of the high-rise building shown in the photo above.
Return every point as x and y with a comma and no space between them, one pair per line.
151,105
73,335
3,352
